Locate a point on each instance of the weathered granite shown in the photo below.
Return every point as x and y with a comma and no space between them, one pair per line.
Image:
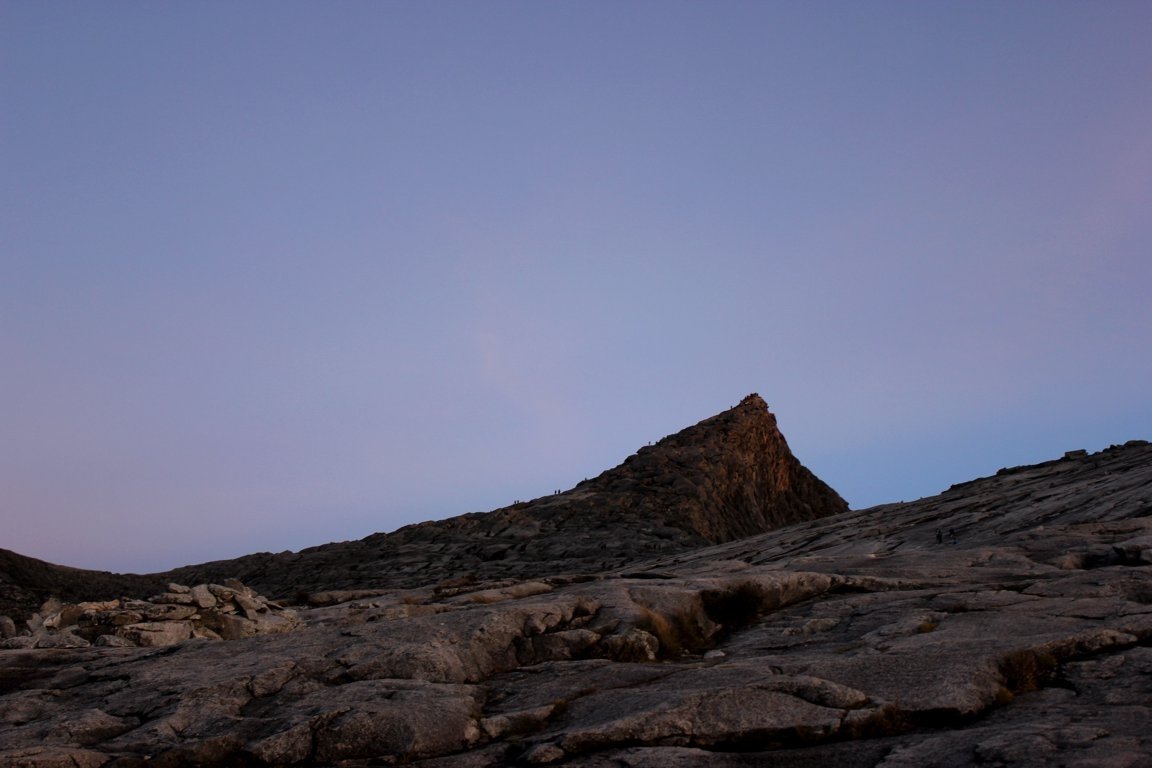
207,611
727,477
855,640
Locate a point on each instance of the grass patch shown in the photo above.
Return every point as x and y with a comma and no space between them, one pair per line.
1027,670
678,633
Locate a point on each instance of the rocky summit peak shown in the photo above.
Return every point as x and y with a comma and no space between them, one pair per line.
754,401
1004,622
729,476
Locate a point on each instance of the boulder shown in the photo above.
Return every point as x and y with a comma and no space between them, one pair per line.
202,596
251,607
156,633
726,477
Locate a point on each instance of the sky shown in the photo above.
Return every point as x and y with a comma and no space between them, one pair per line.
274,274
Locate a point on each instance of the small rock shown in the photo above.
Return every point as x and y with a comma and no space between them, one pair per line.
543,754
113,641
96,607
238,586
164,612
64,639
120,618
228,626
222,593
173,598
157,633
50,606
203,596
1071,561
203,633
634,645
18,642
250,607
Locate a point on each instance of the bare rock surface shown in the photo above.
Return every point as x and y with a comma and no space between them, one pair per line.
727,477
1020,638
1005,622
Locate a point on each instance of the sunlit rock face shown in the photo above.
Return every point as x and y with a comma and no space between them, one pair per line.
1004,622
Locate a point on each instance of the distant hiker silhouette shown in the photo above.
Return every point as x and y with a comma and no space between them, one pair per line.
939,536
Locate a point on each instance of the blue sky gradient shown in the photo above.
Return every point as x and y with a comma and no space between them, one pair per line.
277,274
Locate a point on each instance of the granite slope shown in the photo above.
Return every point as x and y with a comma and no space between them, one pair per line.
727,477
1007,622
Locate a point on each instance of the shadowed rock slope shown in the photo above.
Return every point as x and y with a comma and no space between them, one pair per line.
1006,622
728,477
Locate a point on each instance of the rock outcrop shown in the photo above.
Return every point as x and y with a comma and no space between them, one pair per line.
1006,622
729,476
25,583
227,611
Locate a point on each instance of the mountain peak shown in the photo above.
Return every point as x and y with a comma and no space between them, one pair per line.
729,476
754,401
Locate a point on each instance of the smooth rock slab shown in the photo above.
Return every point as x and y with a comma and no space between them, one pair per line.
375,717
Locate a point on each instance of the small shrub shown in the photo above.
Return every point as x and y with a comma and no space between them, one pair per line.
559,708
657,624
679,632
1027,670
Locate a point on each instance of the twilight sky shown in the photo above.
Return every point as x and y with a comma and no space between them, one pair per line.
274,274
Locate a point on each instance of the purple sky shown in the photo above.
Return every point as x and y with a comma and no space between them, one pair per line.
276,274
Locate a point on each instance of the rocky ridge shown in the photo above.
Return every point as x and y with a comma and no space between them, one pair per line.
1007,622
727,477
26,583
